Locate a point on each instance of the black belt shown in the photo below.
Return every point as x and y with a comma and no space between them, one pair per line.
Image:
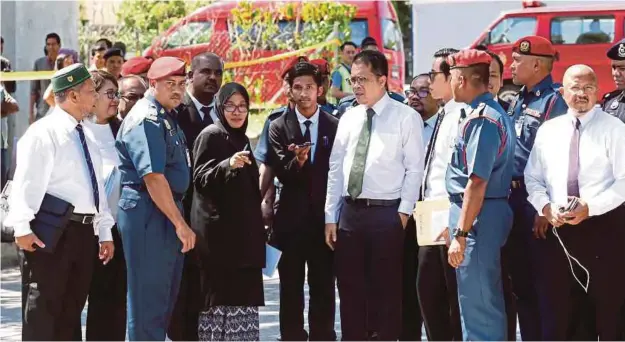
459,198
365,202
82,218
518,184
142,188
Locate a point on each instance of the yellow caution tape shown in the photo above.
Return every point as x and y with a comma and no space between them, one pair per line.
46,75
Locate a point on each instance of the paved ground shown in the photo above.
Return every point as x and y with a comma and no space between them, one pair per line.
10,311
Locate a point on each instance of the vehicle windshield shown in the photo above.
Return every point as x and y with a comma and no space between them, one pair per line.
512,29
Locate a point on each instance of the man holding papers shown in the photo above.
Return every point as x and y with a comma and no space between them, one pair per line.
436,279
478,183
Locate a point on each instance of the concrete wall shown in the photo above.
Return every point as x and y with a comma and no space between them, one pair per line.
457,23
23,44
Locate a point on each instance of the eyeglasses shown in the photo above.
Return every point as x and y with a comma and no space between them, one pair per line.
433,75
421,93
230,108
112,95
587,89
361,80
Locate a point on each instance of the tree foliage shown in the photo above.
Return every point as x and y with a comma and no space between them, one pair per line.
142,21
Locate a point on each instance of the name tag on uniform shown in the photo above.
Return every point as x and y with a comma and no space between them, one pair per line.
518,127
188,157
532,112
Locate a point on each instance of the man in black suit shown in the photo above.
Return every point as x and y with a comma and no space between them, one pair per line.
298,228
195,113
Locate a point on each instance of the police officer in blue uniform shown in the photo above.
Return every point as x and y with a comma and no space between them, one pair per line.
154,176
350,101
614,102
538,101
478,183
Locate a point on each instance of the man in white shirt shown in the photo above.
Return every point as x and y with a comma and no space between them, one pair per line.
60,158
385,139
436,279
580,155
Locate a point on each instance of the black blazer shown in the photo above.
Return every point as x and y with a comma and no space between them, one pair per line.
191,123
302,199
225,212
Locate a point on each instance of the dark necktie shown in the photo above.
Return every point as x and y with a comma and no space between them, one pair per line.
573,183
428,153
307,123
207,115
357,173
94,182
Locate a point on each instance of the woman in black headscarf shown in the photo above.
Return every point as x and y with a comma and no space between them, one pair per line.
227,218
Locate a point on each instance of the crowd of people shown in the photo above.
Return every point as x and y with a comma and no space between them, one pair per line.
141,193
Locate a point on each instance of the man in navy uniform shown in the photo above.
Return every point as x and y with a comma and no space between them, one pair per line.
537,102
299,222
154,175
195,114
614,102
478,183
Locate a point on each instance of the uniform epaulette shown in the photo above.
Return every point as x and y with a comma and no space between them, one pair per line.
478,111
346,99
611,95
152,114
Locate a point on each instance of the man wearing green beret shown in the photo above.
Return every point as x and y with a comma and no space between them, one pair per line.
59,170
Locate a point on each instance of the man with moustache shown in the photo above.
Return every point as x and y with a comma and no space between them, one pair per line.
580,156
537,101
421,100
436,280
196,113
155,174
299,220
614,102
60,170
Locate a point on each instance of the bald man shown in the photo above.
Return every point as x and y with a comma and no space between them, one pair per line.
585,147
131,89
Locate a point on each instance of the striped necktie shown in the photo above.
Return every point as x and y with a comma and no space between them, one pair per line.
94,182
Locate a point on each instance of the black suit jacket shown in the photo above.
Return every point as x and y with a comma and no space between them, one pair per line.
191,123
302,199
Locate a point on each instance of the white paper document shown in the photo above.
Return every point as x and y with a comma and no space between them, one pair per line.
272,258
432,218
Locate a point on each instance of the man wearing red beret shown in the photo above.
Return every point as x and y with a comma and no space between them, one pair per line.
537,101
136,66
155,172
478,183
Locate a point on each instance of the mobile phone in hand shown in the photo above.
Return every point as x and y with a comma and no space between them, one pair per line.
303,145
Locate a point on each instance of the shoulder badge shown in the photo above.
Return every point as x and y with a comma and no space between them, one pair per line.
477,111
167,125
152,115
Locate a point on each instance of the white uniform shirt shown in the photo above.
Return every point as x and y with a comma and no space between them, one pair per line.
50,160
394,164
601,162
199,107
435,187
110,160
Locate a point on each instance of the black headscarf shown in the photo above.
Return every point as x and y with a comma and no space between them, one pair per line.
237,135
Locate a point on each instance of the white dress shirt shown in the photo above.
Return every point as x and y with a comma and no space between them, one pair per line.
428,129
435,187
601,162
314,129
50,160
110,160
199,107
394,164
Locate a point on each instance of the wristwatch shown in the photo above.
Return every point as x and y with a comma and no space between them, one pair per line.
460,233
